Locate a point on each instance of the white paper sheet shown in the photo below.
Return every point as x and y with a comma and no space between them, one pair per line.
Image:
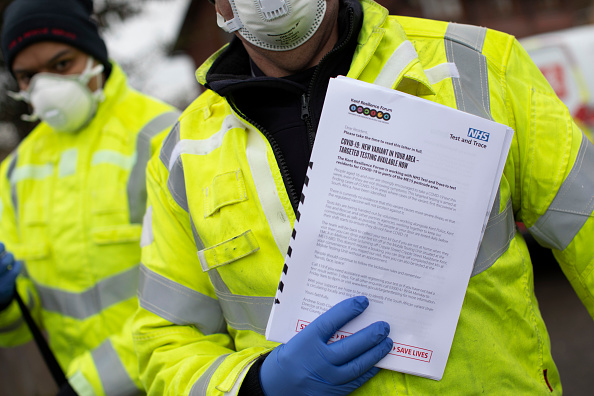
395,206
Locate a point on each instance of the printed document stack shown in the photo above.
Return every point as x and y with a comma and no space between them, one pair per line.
395,204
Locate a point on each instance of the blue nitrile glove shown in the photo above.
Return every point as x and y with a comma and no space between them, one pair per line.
9,269
307,365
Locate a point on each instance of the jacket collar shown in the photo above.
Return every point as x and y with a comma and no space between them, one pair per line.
382,46
385,55
229,68
114,92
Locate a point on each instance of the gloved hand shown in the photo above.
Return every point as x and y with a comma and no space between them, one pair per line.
307,365
9,269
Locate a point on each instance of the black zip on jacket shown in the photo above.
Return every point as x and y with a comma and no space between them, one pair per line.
286,110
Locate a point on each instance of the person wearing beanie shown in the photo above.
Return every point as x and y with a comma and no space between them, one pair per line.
65,21
222,222
73,195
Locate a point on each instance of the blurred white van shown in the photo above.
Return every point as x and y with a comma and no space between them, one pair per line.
566,58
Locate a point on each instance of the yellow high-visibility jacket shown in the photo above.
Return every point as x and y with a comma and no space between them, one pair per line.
219,221
71,209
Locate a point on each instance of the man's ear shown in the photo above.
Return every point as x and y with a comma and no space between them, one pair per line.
223,7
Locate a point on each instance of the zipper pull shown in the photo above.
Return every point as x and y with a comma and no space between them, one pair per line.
304,106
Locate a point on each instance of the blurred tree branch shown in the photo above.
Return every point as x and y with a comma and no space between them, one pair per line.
107,10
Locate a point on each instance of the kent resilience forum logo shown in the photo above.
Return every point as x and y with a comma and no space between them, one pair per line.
373,113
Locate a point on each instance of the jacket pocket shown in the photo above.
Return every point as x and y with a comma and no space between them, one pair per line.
225,189
32,251
116,234
35,214
108,201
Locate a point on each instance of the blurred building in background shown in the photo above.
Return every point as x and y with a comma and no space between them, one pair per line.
565,57
199,35
139,35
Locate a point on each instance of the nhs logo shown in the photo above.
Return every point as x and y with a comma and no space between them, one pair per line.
479,135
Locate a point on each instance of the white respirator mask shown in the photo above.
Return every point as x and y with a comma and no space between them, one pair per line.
64,102
276,25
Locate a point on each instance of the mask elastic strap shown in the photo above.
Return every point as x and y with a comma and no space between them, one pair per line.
29,117
269,10
98,94
229,26
91,72
22,96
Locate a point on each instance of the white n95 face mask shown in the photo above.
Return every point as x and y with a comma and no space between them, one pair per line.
65,102
277,25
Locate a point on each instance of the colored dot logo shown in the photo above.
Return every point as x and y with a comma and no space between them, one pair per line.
353,108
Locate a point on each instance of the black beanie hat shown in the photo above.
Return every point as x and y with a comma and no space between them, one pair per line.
67,21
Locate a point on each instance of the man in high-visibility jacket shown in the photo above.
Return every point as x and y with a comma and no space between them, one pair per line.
224,190
73,195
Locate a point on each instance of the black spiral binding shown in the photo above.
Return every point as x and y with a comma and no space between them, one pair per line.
281,285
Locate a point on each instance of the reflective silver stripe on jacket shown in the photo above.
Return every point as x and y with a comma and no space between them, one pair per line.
31,172
115,379
183,306
464,44
92,301
26,172
13,192
500,230
179,304
197,239
147,236
573,204
136,182
242,312
168,145
175,181
174,147
12,327
177,185
113,157
67,164
201,385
